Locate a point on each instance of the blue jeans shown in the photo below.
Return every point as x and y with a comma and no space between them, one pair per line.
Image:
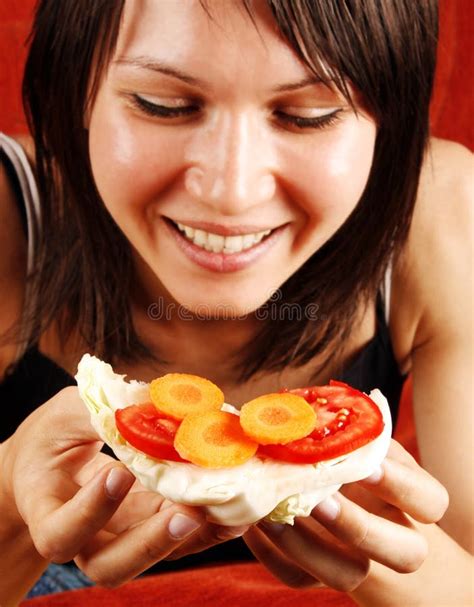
58,578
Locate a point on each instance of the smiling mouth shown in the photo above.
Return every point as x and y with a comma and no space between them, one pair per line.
217,243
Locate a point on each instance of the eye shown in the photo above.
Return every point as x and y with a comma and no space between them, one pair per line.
319,121
164,111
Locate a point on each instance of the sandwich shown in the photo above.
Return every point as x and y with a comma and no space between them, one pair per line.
275,458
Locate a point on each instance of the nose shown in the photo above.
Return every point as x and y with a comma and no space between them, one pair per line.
230,164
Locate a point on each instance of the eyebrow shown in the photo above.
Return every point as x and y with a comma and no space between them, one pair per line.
150,63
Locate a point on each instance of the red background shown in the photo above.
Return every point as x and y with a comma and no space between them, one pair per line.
451,111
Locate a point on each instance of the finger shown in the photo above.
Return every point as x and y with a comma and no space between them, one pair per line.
394,543
274,560
135,508
59,529
400,454
72,416
111,563
330,564
209,535
411,489
92,467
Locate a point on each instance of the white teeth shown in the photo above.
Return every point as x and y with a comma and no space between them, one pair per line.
233,244
248,240
221,244
200,237
216,242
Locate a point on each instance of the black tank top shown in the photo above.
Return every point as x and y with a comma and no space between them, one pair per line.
36,378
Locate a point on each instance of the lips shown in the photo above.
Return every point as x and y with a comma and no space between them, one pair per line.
222,262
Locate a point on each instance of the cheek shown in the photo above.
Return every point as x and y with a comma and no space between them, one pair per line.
330,177
128,166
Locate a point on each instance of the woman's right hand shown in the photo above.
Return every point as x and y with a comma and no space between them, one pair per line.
81,504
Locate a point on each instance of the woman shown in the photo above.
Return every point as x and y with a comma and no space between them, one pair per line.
170,138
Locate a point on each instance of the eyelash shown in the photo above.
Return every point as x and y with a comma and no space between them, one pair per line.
162,111
321,122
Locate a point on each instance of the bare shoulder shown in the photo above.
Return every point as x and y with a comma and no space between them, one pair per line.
12,263
443,214
440,246
12,237
27,143
433,281
447,165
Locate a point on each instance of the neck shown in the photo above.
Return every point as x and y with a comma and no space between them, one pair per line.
185,341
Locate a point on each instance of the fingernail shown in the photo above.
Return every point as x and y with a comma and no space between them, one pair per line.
180,526
230,533
375,477
273,528
118,482
328,509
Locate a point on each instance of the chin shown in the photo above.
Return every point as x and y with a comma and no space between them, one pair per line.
218,299
220,309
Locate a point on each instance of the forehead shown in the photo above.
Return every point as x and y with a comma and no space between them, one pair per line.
214,37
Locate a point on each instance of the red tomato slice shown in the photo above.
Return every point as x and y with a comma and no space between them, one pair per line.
347,420
148,430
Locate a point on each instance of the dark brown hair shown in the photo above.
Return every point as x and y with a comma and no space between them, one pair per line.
83,272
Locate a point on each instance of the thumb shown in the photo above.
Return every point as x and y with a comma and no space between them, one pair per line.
60,528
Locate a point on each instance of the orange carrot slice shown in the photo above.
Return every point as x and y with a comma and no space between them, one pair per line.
277,419
213,439
177,394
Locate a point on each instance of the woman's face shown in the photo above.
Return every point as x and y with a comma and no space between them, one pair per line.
213,124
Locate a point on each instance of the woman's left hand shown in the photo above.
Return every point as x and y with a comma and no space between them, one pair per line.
365,520
140,504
